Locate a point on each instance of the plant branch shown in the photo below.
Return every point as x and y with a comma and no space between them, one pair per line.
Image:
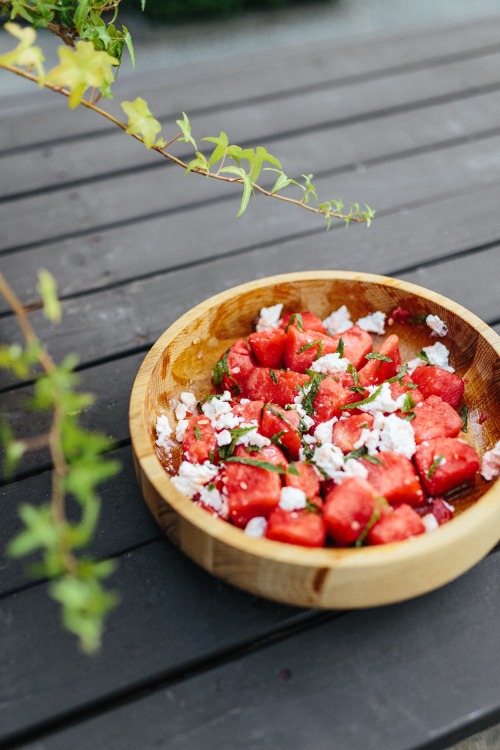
175,160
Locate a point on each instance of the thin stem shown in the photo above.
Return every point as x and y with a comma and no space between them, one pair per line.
179,162
54,437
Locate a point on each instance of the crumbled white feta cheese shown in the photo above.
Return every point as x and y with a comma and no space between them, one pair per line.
323,432
191,478
490,464
307,421
181,429
430,522
397,435
437,326
215,407
383,401
329,458
354,468
374,323
212,498
292,498
269,317
331,364
180,412
163,430
256,527
368,439
437,354
224,438
310,439
226,421
389,433
252,437
338,321
189,400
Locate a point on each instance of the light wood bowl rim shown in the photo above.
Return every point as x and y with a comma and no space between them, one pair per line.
471,524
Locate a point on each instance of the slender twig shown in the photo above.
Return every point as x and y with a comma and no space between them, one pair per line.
53,438
179,162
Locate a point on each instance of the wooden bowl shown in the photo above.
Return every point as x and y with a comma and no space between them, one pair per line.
182,359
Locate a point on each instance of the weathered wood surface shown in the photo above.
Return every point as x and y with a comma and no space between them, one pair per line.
411,126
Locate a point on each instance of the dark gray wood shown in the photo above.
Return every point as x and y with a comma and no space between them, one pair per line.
271,75
405,677
117,532
456,127
172,616
408,123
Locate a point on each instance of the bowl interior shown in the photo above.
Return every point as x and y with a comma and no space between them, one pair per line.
190,348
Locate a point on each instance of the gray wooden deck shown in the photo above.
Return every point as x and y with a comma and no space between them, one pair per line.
409,124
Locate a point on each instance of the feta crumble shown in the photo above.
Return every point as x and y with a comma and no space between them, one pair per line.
252,437
163,430
329,458
437,354
331,364
430,522
437,326
191,478
292,498
189,400
397,435
324,431
374,323
383,401
256,527
269,317
180,429
215,407
338,321
212,498
353,468
490,464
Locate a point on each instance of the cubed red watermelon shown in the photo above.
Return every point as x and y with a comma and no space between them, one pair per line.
445,464
434,381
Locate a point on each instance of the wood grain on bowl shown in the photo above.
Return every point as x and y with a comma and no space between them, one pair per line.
182,359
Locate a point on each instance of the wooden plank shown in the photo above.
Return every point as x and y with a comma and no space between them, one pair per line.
305,111
110,382
122,502
84,207
270,75
172,615
413,676
116,320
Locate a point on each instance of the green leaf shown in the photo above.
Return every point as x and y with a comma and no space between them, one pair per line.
261,157
47,289
464,413
247,186
25,55
219,152
128,41
140,120
81,13
81,69
377,355
185,128
198,164
367,400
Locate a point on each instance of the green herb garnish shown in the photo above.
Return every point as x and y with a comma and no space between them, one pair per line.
262,465
310,391
408,404
340,348
409,416
352,371
367,400
296,317
227,450
377,355
273,376
399,376
434,465
464,413
197,433
424,357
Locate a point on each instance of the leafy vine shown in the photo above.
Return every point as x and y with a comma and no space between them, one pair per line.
88,64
